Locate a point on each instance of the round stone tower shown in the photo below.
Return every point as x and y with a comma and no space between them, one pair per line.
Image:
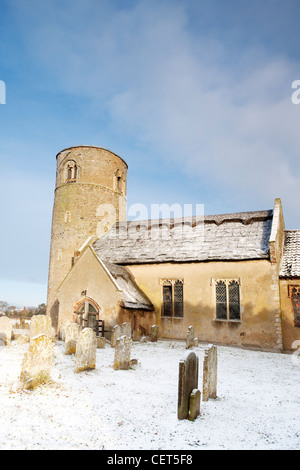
90,196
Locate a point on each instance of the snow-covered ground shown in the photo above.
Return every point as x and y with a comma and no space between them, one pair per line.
257,405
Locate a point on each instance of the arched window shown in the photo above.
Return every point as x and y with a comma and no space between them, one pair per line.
86,314
72,171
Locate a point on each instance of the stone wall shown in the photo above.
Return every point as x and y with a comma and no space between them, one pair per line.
78,210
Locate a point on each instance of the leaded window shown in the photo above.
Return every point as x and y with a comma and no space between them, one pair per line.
178,299
172,298
228,299
234,300
221,298
296,305
167,301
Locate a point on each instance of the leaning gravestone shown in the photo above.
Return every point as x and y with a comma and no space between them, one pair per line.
188,396
5,330
86,350
154,333
210,366
122,353
191,341
37,362
71,333
41,325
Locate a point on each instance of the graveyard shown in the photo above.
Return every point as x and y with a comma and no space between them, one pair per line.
109,402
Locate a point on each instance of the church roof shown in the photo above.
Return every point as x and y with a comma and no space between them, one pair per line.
290,264
226,237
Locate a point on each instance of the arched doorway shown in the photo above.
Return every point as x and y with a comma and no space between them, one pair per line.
87,314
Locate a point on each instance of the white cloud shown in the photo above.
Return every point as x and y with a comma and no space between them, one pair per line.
178,91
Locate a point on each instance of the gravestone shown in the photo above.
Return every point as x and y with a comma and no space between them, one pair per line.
37,362
210,367
191,341
5,330
194,404
62,332
122,353
126,329
23,339
41,325
86,350
143,339
154,333
71,333
116,333
188,398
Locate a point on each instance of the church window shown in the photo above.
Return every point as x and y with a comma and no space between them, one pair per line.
234,300
87,315
228,300
118,181
72,172
296,305
178,299
172,298
221,298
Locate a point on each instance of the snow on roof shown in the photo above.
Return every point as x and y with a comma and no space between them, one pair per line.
290,264
237,236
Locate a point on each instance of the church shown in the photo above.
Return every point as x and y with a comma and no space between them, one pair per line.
234,277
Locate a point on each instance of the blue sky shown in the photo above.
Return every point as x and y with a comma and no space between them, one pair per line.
195,96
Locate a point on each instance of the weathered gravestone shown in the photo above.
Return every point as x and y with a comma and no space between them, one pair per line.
41,325
23,339
37,362
116,333
71,333
122,353
210,366
119,331
194,404
154,333
86,350
126,329
5,330
62,331
188,393
191,341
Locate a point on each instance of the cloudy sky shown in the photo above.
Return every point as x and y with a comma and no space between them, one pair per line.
195,95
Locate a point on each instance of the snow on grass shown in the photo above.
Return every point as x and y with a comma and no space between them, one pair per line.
257,405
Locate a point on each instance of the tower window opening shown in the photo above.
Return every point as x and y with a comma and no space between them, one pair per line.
118,183
72,172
